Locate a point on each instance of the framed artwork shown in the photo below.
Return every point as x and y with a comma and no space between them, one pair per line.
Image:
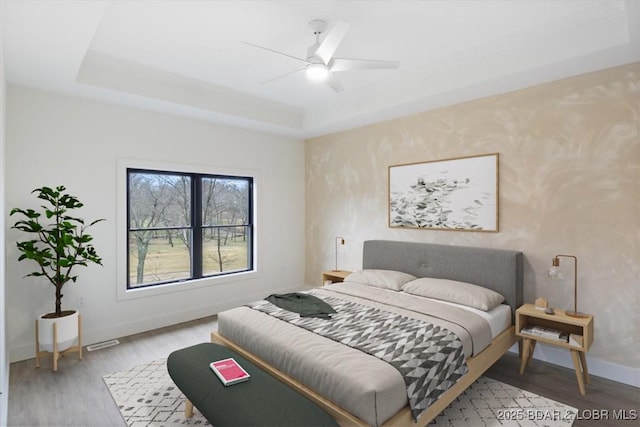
451,194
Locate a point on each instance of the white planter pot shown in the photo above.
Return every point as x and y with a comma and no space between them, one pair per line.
67,331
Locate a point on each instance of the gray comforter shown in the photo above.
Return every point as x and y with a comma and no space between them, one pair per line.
364,385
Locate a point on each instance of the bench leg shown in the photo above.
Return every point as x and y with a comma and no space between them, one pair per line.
188,409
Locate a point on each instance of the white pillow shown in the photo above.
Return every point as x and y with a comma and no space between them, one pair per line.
454,291
387,279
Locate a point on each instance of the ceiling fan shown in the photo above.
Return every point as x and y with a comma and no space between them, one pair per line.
321,65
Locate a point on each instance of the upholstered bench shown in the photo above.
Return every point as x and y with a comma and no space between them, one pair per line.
260,401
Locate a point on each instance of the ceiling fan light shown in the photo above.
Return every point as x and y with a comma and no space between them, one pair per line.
317,72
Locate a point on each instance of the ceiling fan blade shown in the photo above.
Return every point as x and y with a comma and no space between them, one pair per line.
275,51
283,75
334,83
343,64
331,41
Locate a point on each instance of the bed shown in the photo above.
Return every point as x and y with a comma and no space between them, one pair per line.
359,388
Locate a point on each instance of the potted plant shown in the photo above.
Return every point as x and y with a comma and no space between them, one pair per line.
59,243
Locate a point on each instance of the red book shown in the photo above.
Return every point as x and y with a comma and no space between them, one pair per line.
229,371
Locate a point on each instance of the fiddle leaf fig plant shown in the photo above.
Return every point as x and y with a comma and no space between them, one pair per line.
60,241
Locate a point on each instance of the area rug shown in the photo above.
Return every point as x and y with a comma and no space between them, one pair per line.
146,396
491,403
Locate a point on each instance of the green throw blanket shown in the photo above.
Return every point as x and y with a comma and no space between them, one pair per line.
304,304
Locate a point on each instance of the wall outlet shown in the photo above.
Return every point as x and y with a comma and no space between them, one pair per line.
80,302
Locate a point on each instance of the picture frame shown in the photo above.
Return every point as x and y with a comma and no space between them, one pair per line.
456,194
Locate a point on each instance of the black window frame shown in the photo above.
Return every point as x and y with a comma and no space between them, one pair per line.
196,226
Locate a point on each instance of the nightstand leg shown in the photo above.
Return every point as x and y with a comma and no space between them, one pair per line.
527,351
583,360
533,349
579,373
520,349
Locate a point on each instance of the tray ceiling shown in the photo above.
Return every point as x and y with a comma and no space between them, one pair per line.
188,57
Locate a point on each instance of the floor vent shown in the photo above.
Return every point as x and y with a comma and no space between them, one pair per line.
101,345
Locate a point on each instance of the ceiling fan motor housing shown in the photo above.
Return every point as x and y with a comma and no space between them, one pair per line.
318,26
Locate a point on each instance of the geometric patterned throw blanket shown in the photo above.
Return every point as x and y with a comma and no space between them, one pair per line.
429,357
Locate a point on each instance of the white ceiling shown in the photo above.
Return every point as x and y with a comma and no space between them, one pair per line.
187,57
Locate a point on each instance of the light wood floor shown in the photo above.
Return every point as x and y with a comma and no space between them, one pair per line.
77,396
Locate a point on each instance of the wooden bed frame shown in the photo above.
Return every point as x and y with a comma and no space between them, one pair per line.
500,270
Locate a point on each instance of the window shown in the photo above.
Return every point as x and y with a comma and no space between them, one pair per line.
183,226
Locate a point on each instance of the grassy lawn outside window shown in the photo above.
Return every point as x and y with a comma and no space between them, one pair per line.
184,226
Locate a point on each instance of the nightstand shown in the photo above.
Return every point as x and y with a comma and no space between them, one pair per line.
334,276
580,331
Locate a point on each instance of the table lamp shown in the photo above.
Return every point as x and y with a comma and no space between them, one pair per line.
556,273
339,241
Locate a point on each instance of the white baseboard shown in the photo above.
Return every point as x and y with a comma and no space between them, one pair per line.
600,368
27,351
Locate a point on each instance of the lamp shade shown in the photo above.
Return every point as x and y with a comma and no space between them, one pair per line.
556,273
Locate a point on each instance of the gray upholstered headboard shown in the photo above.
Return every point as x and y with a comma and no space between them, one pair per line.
497,269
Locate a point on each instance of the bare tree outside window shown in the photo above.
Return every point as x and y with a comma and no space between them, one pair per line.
185,226
226,210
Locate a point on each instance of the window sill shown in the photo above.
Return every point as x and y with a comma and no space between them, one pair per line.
188,285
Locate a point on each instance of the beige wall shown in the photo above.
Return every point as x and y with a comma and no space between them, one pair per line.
569,183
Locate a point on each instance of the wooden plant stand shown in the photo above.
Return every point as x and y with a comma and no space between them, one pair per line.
57,354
